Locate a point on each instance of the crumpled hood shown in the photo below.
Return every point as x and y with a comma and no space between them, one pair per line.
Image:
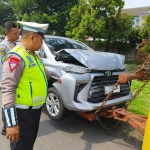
98,60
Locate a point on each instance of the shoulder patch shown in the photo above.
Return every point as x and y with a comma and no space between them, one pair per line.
2,51
13,63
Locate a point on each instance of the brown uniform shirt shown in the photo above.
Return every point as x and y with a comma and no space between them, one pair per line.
10,80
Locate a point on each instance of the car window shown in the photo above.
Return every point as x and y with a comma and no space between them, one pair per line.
59,44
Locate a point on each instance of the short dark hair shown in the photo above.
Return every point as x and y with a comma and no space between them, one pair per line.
26,33
9,25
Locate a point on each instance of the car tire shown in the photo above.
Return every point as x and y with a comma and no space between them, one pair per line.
54,106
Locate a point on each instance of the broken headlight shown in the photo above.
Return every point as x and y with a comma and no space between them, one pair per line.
75,69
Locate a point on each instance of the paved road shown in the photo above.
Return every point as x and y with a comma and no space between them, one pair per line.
76,133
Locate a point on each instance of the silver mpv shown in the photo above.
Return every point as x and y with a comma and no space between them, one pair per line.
87,77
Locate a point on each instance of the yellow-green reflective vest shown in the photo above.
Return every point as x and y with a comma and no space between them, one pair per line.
32,87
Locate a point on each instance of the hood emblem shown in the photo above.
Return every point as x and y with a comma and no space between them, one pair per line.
107,73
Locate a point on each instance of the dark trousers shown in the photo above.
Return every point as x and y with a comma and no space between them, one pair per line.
28,120
3,119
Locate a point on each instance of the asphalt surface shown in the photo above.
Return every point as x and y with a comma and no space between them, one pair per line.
77,133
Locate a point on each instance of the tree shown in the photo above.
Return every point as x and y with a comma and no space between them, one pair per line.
6,13
145,28
54,12
124,35
1,31
144,46
100,19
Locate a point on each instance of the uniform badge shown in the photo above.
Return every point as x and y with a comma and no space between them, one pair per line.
31,62
2,51
29,59
13,63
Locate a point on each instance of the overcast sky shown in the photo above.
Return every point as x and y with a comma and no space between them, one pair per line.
136,3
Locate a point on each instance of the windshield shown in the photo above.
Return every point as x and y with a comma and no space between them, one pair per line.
57,44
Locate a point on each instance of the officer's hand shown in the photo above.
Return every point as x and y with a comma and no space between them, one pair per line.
59,80
12,133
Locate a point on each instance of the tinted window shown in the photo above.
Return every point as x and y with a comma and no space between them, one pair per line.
59,44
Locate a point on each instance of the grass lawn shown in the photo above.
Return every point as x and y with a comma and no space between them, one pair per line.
141,104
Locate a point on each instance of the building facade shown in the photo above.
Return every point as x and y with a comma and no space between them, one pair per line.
139,14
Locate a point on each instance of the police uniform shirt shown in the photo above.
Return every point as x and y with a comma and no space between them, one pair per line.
2,50
13,78
7,45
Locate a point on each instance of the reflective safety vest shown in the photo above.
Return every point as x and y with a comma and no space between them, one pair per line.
32,87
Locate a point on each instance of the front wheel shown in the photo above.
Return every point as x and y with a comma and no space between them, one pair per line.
54,105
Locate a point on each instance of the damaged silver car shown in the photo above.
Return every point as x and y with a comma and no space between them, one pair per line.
87,77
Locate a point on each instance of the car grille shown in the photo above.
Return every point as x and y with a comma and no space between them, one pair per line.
97,91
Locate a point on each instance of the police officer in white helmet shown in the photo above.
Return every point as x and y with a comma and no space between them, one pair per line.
24,87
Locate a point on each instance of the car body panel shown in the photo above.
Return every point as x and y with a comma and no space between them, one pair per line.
95,60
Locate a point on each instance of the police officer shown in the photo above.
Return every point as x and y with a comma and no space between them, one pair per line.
24,87
12,35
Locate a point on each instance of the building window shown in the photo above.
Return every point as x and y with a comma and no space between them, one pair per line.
137,22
